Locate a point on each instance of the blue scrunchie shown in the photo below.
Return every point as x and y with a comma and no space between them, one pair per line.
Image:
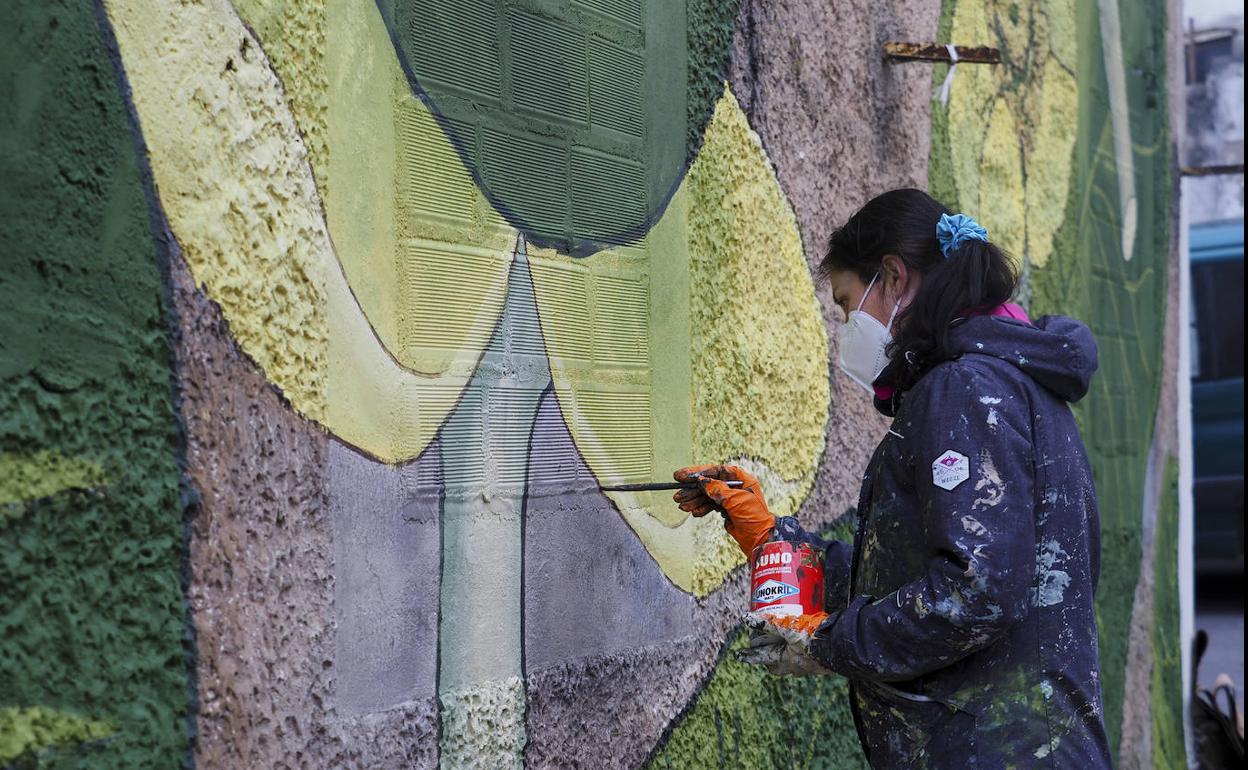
953,231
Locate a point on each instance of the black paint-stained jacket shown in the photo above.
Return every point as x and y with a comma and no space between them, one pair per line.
963,614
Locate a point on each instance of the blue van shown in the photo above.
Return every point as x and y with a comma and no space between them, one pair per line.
1217,333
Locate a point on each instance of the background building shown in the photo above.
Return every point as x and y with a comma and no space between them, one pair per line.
1213,205
1214,83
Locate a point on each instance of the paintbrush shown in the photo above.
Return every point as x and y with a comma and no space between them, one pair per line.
656,486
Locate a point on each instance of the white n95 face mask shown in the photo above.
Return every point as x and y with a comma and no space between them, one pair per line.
863,343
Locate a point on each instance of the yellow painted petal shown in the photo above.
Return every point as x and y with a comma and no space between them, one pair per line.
293,35
974,88
760,352
234,179
1013,22
1063,35
1049,160
1001,198
711,348
419,243
417,240
1013,169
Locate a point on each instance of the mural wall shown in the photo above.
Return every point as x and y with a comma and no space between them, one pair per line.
327,322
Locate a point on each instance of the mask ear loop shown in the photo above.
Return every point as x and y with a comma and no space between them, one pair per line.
867,293
896,305
893,315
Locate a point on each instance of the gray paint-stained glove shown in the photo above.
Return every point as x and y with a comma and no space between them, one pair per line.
782,644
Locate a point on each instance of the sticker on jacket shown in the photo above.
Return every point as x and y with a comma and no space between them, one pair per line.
950,470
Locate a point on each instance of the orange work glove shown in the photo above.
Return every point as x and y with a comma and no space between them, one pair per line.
745,511
805,625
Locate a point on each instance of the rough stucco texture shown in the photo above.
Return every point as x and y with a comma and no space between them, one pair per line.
262,583
396,412
759,379
26,733
839,125
297,34
92,619
586,678
235,182
742,717
230,164
260,587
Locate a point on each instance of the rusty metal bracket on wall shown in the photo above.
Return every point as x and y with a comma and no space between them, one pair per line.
1230,169
936,52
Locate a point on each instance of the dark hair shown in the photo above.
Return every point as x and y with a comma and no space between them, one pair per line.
977,276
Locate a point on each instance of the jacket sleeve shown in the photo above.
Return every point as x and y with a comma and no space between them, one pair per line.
837,556
971,458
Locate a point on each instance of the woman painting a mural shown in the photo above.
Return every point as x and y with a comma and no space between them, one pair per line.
962,613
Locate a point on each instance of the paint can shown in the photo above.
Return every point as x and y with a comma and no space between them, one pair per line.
786,578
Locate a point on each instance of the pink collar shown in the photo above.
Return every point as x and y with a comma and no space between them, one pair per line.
1008,310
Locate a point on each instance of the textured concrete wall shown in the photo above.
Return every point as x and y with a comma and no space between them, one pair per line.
92,614
393,290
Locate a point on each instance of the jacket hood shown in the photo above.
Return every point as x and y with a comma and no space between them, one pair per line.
1059,353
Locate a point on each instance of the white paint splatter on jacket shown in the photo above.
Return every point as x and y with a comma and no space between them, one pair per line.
963,613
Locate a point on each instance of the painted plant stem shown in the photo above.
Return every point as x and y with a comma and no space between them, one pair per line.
481,665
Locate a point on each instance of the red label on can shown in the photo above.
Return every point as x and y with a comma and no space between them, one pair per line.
786,578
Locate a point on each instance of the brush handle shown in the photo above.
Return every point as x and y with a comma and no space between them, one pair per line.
662,485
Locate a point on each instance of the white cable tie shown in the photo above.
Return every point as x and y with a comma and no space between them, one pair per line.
947,86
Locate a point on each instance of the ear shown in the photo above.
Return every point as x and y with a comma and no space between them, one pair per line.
895,276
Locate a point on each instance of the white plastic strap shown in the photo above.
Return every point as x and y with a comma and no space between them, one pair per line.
946,86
